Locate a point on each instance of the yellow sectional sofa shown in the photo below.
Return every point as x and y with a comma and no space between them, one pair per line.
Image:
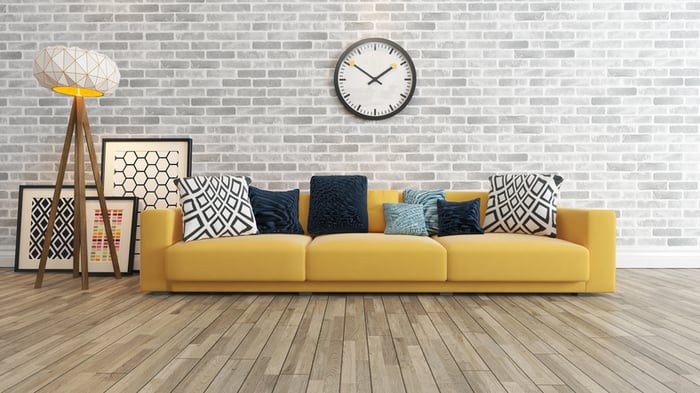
580,259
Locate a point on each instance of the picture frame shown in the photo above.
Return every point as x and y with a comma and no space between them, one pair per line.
32,218
145,168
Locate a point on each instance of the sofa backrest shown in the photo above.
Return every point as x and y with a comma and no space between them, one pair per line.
377,198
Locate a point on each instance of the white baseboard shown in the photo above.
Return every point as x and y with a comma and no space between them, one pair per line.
627,257
658,257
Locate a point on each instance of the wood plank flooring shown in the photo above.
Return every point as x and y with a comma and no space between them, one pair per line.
113,338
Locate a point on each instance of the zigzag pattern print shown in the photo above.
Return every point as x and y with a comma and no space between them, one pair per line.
62,240
216,207
429,201
523,204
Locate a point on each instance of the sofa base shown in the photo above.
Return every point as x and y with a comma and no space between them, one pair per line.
380,286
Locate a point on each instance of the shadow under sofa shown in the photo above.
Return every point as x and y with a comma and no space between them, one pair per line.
581,259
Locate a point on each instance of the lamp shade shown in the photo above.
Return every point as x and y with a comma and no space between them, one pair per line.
76,72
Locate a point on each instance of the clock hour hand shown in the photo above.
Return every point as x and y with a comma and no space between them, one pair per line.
353,64
376,78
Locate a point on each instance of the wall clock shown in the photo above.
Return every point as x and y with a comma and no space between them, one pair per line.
375,78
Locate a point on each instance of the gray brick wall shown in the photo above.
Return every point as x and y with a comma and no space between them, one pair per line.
605,93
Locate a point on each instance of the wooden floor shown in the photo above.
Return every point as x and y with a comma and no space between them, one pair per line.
117,339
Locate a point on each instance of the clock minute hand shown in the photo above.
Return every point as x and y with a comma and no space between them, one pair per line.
353,64
376,79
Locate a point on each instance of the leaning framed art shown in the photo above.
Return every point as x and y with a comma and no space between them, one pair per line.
146,169
33,216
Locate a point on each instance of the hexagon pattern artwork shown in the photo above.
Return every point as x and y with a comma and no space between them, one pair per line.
58,66
149,175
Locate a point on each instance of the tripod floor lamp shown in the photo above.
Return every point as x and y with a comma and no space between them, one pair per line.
79,73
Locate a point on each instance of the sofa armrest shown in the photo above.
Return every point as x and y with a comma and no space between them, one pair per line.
160,229
595,230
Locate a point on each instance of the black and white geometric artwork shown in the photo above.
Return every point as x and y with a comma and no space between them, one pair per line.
149,174
62,239
146,169
523,203
34,206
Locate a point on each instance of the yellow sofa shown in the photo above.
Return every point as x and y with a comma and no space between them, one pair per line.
580,259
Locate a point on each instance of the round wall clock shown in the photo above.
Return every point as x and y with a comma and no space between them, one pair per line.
375,78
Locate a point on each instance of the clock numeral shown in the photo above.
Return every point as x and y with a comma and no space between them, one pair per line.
346,62
402,63
359,52
375,47
342,79
391,108
391,51
403,95
407,79
347,95
375,111
359,106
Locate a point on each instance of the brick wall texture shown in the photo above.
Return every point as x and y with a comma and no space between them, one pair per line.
604,93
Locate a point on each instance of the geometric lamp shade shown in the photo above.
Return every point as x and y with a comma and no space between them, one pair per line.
75,71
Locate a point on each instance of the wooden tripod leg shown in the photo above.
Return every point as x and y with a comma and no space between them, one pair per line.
56,196
80,191
101,197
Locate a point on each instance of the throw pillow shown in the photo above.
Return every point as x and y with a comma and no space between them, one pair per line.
276,211
459,218
523,203
428,199
215,207
338,204
404,219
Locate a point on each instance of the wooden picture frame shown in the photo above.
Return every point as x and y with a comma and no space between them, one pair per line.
32,218
145,168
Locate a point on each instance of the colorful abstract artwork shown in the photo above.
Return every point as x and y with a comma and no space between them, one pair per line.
99,247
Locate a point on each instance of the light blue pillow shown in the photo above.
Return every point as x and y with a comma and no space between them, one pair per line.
404,219
428,199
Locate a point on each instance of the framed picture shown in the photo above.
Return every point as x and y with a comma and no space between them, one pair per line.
145,169
32,220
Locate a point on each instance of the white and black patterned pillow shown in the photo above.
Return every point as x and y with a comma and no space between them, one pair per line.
216,207
523,203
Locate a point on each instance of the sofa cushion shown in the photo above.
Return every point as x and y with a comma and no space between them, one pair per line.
514,257
375,257
338,204
215,207
276,211
459,218
404,219
270,257
523,203
428,199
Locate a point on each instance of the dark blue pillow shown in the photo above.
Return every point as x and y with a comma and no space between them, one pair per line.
459,218
338,204
276,211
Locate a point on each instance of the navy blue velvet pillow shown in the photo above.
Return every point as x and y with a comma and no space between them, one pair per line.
459,218
276,211
338,204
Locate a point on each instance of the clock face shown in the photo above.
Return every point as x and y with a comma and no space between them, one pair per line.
375,78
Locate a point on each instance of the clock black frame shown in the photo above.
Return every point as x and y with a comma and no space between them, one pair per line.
393,45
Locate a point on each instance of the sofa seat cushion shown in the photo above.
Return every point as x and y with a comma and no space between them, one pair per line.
375,257
514,257
268,257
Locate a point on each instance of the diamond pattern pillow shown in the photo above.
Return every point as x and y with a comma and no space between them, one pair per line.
523,203
404,219
216,207
428,199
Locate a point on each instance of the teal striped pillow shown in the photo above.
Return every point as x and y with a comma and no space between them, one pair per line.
404,219
428,199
